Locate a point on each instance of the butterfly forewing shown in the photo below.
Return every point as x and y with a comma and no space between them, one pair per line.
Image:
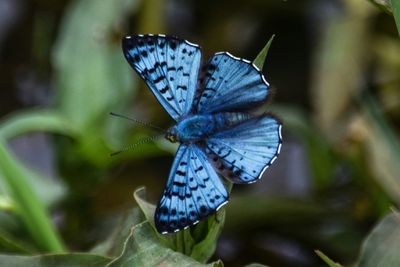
193,191
169,66
248,148
231,84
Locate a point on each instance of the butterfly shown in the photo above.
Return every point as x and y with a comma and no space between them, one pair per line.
210,103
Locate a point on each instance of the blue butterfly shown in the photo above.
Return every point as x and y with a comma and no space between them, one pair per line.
217,135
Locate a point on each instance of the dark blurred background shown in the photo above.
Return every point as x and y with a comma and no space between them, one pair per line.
333,65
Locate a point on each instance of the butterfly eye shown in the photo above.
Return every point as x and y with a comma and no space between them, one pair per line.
171,137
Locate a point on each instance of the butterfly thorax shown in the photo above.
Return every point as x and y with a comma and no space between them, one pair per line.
195,128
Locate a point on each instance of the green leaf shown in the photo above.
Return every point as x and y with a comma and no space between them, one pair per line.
206,242
173,241
260,59
27,203
92,76
55,260
48,189
385,5
35,120
7,244
146,207
381,248
383,147
6,203
143,248
327,260
396,13
115,242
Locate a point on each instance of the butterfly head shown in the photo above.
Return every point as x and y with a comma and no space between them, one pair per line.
172,135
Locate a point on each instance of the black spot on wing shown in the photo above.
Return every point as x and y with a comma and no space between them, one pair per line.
164,89
159,79
183,87
180,173
179,184
172,45
199,169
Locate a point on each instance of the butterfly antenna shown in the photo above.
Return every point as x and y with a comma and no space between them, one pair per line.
148,125
138,143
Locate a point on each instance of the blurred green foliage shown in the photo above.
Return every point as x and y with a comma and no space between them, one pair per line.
380,247
344,119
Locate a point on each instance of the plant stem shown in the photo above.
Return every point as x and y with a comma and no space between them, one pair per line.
27,203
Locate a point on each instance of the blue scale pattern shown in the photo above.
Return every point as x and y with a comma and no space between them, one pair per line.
169,66
193,191
231,84
247,149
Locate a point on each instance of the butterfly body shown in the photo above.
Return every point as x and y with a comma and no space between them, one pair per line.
196,128
210,103
193,128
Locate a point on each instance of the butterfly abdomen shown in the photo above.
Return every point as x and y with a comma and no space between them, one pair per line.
227,119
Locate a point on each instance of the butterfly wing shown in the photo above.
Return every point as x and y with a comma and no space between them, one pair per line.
169,66
193,191
231,84
247,149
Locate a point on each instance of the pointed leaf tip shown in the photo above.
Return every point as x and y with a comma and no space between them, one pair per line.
327,260
260,59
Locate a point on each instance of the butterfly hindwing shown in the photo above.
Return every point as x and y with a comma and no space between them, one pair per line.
247,149
169,66
193,191
231,84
